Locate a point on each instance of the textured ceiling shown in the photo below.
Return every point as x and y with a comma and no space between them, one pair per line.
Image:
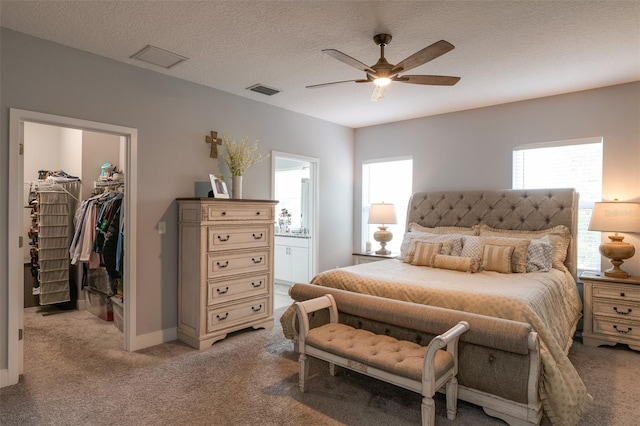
505,50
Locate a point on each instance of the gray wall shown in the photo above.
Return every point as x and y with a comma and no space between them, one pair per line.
172,117
472,149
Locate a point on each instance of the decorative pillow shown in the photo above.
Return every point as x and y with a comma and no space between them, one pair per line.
456,263
559,236
520,248
423,236
446,248
470,246
497,258
425,252
444,229
540,255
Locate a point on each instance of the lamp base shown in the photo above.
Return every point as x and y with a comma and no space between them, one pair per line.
615,270
383,237
616,251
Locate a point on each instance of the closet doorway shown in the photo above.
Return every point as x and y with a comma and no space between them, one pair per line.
22,124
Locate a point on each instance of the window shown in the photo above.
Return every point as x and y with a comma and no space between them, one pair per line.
390,181
566,164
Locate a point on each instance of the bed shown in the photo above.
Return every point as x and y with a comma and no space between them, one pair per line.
460,252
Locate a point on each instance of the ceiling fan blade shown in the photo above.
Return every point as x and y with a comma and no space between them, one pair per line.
423,56
433,80
343,57
315,86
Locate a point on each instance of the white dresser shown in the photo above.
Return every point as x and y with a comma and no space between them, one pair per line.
611,310
225,267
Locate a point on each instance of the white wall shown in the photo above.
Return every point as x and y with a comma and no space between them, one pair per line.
472,149
172,117
97,149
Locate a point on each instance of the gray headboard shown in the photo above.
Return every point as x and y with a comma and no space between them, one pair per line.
531,210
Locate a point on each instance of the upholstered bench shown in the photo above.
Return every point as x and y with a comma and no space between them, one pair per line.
402,363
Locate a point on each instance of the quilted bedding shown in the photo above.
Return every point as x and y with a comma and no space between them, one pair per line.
548,301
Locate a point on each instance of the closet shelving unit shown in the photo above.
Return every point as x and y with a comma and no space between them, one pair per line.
52,210
53,245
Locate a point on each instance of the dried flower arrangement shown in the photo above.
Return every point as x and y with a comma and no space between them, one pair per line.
240,156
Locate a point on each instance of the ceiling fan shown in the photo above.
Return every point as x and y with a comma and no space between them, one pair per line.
383,73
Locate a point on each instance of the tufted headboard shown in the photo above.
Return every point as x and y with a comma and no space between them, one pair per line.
523,209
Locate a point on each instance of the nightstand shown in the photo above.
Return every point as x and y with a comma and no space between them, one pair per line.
611,310
360,258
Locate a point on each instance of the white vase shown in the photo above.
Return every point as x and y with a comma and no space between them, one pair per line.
237,188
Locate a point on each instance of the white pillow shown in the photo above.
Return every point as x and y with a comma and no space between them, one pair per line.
540,255
470,246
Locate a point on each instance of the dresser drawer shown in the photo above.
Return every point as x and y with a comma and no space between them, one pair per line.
223,264
236,238
253,212
618,328
221,291
623,309
231,315
619,292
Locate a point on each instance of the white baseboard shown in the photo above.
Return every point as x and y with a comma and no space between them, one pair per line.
155,338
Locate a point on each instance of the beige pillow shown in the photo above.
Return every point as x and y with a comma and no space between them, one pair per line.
408,243
520,248
456,263
425,252
443,229
497,258
559,236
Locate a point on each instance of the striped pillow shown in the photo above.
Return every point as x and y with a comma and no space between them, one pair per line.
497,258
425,252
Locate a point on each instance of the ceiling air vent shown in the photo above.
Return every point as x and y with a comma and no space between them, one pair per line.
260,88
160,57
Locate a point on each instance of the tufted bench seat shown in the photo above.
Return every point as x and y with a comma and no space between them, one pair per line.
402,363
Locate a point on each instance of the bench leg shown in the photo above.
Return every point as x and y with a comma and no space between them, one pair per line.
303,372
428,411
333,369
452,398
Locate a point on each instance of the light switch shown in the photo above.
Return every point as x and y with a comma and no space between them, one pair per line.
162,228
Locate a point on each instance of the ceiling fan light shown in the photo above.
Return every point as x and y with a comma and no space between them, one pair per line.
382,81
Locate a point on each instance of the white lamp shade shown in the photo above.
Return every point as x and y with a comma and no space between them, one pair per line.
381,213
615,217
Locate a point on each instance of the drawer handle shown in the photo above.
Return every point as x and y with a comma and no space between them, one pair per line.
221,266
258,309
256,261
257,213
627,331
223,240
226,289
222,318
621,294
257,237
223,213
622,313
257,285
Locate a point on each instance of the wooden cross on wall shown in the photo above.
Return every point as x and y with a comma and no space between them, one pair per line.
214,141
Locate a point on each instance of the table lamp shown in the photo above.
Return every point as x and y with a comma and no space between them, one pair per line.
382,214
616,217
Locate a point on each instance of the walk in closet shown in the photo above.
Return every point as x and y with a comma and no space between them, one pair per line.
74,193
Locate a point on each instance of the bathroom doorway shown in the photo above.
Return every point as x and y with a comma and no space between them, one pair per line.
295,186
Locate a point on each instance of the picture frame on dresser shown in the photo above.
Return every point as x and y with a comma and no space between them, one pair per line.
218,187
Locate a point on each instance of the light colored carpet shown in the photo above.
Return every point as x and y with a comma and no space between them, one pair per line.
76,373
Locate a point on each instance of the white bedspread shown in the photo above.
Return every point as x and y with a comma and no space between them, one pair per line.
548,301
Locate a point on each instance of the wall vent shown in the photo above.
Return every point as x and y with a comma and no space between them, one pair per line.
160,57
261,88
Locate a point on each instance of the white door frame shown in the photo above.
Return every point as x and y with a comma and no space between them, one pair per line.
314,173
15,299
